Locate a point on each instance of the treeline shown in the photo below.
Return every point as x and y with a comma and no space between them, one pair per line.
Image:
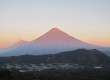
101,74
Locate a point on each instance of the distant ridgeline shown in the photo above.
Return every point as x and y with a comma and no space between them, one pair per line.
91,57
54,41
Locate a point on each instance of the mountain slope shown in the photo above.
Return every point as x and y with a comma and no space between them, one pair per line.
56,37
16,49
81,56
54,41
84,57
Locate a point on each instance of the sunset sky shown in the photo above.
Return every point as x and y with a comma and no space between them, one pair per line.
87,20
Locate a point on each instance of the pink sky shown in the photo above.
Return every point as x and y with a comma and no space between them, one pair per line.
87,20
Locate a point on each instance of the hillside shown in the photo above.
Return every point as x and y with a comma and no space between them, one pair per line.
80,56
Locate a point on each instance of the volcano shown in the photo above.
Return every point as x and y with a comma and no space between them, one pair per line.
54,41
57,38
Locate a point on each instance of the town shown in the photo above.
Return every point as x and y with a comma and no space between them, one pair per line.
40,67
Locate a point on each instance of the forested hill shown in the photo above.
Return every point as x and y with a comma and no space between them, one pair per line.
91,57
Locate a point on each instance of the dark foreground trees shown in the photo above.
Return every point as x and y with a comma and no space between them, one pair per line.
93,74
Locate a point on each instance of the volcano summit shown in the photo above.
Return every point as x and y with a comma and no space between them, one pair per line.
54,41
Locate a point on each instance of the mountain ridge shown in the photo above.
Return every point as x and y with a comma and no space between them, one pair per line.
56,34
84,57
54,41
